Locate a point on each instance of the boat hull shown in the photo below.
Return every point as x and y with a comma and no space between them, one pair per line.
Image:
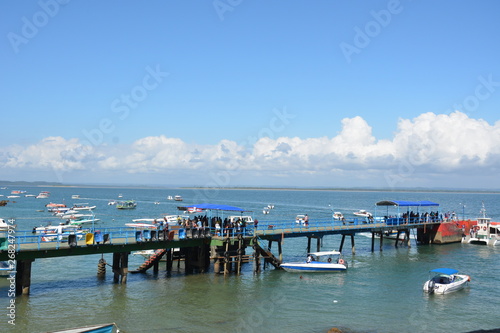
313,267
445,288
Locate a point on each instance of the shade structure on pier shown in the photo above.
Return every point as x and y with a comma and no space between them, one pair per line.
405,203
216,207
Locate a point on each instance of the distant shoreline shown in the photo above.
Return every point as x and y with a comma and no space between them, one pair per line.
249,188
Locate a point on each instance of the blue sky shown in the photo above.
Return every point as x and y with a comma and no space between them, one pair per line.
229,93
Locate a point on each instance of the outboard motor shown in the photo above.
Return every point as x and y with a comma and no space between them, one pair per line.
430,286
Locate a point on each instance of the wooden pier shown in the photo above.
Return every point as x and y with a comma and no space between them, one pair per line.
228,251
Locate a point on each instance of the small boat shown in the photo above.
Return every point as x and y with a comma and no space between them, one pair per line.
120,195
43,195
79,219
317,262
13,196
129,204
270,206
265,210
338,216
445,280
178,198
300,219
103,328
51,232
143,224
363,213
4,226
170,197
82,206
156,202
111,202
75,196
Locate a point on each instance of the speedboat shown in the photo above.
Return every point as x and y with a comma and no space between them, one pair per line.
144,224
4,226
445,280
325,261
5,268
82,206
178,198
338,216
363,213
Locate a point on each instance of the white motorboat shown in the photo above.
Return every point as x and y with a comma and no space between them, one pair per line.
111,202
178,198
317,262
4,226
301,219
82,206
75,196
485,232
363,213
61,231
43,195
338,216
143,224
445,280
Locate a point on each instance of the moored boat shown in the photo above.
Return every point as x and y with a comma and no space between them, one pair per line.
129,204
103,328
178,198
445,280
317,262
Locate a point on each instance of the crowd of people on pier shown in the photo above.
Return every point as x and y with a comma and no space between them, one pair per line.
198,225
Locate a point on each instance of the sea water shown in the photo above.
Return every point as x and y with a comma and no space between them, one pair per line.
380,292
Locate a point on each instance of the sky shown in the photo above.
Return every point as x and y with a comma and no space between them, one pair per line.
387,94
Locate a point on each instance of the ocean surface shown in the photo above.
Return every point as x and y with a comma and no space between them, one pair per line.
380,292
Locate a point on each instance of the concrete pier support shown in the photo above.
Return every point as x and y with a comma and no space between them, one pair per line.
23,277
120,267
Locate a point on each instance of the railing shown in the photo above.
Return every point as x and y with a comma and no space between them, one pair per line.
126,235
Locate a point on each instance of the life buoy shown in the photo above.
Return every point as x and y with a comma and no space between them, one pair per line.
484,228
329,259
341,261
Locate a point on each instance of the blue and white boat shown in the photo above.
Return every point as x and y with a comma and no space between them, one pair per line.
445,280
317,262
105,328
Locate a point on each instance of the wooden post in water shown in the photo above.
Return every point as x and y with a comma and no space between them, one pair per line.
308,244
342,243
397,238
23,276
408,237
318,244
120,267
352,244
373,241
169,260
280,253
381,240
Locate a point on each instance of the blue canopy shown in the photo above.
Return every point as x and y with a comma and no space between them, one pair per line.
216,207
447,271
405,203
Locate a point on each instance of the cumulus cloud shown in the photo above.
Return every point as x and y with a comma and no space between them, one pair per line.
429,143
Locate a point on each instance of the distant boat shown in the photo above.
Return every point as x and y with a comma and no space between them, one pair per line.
178,198
75,196
170,197
363,213
129,204
120,195
338,216
82,206
112,202
43,195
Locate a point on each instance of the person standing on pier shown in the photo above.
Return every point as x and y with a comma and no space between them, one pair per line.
306,220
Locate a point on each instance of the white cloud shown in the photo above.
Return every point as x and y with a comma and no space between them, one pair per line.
429,145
